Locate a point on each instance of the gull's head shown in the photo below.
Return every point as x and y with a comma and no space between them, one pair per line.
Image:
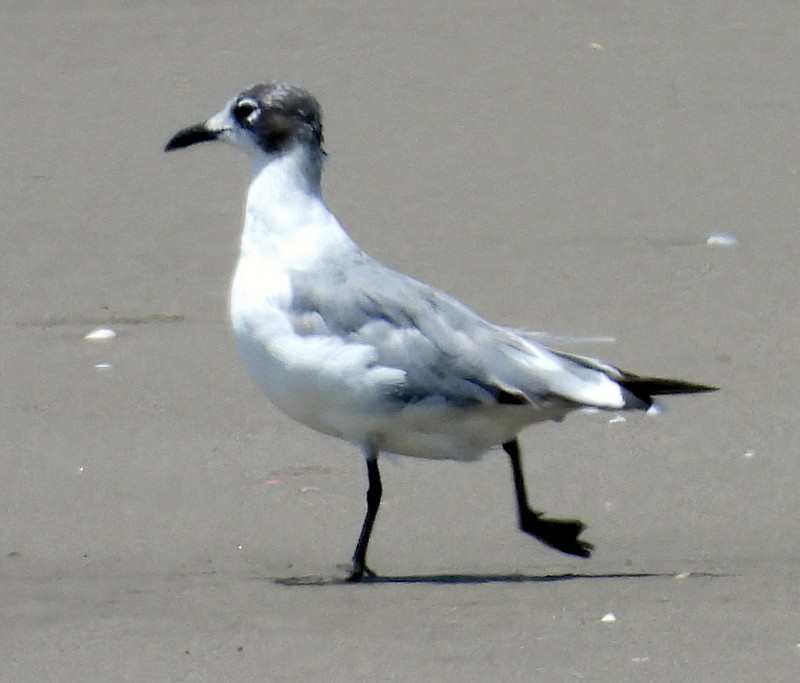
265,120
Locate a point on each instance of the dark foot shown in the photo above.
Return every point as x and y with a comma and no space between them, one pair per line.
358,571
561,534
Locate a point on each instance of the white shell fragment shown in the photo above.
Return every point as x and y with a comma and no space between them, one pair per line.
617,418
749,453
683,575
721,239
609,618
101,334
102,366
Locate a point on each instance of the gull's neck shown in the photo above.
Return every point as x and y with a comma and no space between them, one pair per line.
284,200
298,170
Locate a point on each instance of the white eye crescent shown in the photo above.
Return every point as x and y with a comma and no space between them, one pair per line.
246,111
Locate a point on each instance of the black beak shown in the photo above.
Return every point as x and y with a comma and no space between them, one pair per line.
191,136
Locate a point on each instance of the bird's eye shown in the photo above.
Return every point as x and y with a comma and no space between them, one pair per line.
245,111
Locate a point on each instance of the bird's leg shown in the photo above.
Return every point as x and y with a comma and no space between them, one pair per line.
561,534
374,492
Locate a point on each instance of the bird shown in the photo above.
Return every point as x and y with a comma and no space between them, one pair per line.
356,350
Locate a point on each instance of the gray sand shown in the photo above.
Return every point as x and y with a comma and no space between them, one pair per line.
559,168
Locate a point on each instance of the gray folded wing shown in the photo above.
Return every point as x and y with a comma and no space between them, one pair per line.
446,351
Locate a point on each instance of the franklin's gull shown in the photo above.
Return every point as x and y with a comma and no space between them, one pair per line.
353,349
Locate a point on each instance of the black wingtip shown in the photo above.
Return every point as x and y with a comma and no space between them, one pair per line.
644,388
660,386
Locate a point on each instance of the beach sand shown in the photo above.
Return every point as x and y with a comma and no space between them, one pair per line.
558,167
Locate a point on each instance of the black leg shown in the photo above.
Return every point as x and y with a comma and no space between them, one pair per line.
373,503
561,534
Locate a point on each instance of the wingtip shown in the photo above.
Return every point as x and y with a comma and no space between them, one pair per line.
645,388
706,387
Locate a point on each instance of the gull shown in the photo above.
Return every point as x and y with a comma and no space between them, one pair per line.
353,349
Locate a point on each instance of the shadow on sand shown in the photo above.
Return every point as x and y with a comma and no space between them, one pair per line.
471,579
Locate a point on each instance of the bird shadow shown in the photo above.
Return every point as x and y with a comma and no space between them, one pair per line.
477,579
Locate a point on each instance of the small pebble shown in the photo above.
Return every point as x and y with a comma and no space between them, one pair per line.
749,453
101,334
721,239
683,575
102,366
609,618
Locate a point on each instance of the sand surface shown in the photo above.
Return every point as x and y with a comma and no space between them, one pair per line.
558,166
